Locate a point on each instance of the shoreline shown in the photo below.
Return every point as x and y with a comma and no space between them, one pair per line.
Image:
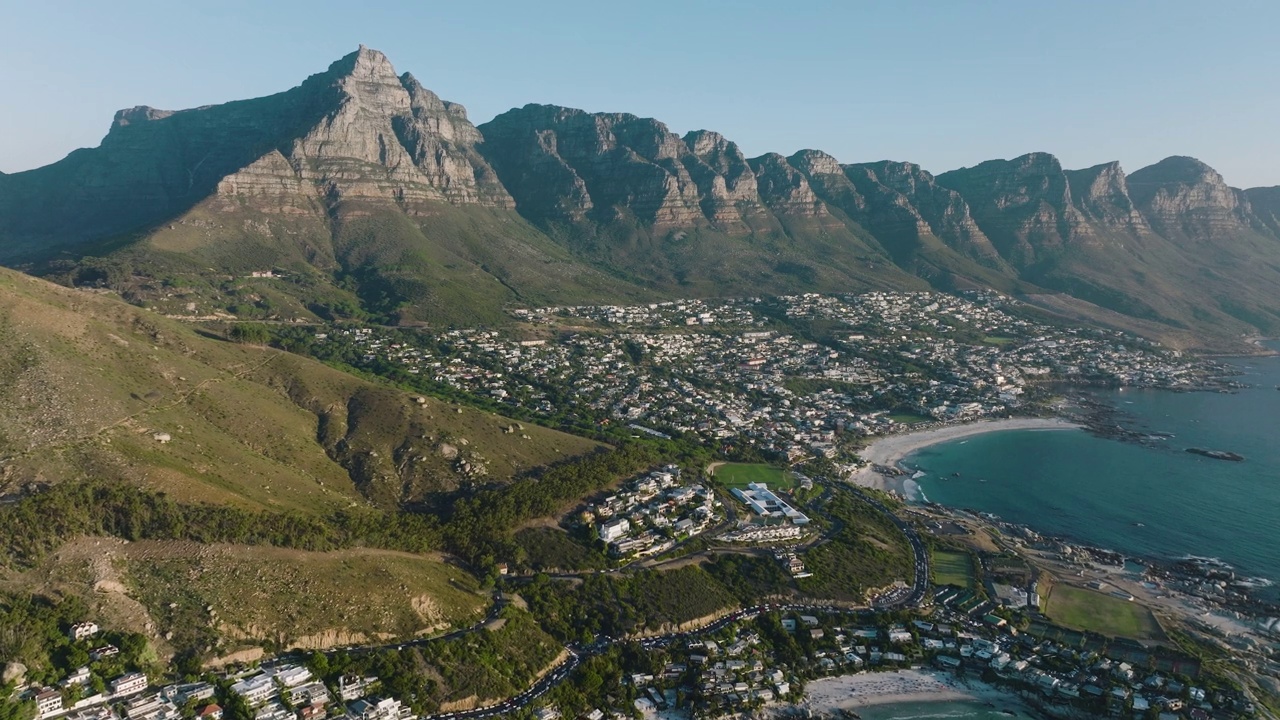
828,695
889,450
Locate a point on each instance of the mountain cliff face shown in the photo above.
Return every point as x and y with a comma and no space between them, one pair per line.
354,131
1185,199
371,191
376,135
1266,207
1023,205
931,209
567,164
1101,194
730,194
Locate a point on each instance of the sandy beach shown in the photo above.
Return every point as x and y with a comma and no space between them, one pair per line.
847,692
887,451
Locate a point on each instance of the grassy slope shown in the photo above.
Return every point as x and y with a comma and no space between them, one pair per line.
217,598
435,263
295,598
86,382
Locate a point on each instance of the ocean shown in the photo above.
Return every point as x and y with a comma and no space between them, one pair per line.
1156,502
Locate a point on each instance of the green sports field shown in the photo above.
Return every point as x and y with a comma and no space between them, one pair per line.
953,568
1099,612
734,475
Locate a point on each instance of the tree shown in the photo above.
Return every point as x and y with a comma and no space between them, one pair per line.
250,334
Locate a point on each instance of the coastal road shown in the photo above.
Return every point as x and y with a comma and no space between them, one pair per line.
907,597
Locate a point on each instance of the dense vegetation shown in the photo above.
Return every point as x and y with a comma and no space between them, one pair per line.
37,523
497,663
548,549
867,550
34,632
478,528
751,579
479,525
621,605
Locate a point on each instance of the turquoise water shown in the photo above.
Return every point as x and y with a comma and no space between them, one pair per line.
1142,501
913,711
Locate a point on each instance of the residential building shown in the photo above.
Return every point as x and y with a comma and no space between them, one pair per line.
129,684
255,690
48,702
83,630
614,529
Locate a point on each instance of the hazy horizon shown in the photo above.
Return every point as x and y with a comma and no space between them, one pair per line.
941,86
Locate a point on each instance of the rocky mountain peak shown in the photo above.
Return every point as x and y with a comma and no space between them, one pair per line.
1101,194
138,114
730,197
816,162
707,144
1179,169
1038,162
365,64
937,210
1023,205
904,177
784,188
1184,198
564,162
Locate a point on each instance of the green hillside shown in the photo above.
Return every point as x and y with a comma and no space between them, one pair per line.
91,388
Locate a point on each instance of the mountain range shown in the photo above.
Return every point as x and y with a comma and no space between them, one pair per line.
361,192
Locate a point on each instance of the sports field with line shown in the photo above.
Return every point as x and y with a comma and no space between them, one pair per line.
1101,613
953,568
737,475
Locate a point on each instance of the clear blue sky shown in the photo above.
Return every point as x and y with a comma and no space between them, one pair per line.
945,84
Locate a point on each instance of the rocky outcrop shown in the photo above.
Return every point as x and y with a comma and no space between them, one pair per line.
944,211
356,130
387,137
1101,194
828,179
730,196
1184,199
784,189
1023,205
1265,202
565,164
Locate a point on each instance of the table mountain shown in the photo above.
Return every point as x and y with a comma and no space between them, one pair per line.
370,195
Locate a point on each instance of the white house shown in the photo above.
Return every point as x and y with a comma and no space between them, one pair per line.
614,529
129,684
255,690
83,630
48,702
